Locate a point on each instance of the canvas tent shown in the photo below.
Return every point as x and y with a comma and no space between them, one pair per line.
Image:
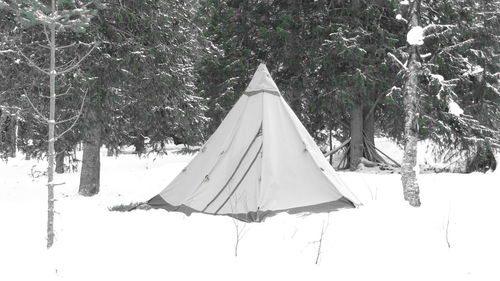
259,161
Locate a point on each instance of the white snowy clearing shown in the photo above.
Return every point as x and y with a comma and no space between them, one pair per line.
453,236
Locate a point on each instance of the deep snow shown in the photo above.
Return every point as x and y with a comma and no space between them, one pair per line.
385,239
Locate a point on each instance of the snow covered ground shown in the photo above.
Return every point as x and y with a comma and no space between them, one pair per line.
453,236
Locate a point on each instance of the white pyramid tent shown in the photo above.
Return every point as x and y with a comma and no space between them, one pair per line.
260,161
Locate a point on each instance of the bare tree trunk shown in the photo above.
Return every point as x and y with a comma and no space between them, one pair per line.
410,101
91,163
52,123
356,150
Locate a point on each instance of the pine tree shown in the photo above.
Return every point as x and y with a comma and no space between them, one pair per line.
141,80
457,111
55,17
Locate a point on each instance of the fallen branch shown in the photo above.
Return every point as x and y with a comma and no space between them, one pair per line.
333,151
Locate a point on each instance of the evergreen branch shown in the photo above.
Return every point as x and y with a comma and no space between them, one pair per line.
32,63
34,107
79,62
77,117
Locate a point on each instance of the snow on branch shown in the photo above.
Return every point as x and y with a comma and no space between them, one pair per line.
400,18
437,27
6,51
395,59
457,46
493,89
454,108
415,36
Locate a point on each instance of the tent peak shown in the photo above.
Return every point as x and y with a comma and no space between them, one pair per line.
262,82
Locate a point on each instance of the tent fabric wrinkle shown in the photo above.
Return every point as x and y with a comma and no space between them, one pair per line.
260,161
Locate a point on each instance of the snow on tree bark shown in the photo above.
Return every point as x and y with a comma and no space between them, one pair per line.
408,174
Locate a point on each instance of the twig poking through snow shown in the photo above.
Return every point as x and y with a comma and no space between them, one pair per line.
448,227
320,241
240,233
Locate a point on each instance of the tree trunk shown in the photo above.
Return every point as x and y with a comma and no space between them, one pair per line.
369,124
356,150
3,131
140,146
331,147
111,151
52,124
60,162
29,137
12,134
410,101
91,166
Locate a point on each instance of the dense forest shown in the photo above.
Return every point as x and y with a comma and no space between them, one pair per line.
144,73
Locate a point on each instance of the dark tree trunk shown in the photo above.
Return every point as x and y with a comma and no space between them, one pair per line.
356,150
111,151
29,135
369,125
3,131
12,134
139,145
60,162
410,101
331,147
91,166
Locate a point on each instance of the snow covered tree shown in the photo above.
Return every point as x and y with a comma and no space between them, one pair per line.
53,17
447,69
141,80
411,103
328,57
458,108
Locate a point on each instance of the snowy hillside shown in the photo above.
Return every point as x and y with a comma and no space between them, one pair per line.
453,236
